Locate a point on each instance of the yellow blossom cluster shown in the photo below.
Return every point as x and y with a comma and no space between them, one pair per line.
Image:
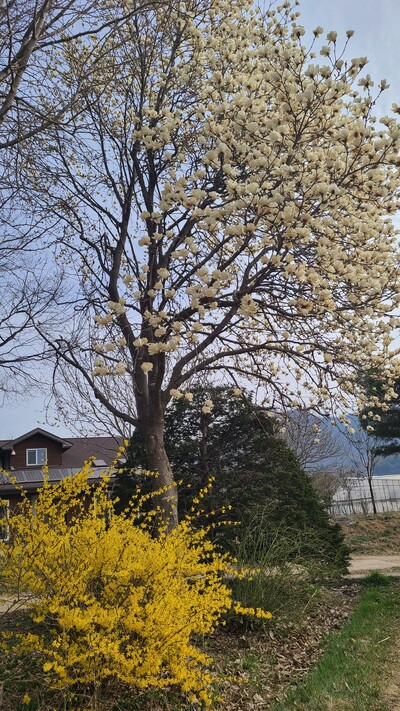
108,599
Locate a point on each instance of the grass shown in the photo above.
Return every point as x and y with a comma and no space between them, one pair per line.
373,534
350,674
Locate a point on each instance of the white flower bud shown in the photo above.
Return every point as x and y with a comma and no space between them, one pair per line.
147,367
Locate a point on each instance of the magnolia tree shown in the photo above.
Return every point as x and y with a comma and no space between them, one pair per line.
224,201
32,34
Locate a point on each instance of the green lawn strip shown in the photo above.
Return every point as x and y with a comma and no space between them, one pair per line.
350,675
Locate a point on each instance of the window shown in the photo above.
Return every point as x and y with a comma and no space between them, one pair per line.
36,456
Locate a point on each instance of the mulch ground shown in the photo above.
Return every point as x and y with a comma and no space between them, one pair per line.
263,664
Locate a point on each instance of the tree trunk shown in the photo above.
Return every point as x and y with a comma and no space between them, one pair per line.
150,409
157,461
371,491
205,462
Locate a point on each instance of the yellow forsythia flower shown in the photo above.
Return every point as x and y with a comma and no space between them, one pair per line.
107,599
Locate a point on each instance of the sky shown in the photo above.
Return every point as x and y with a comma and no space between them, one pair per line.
376,24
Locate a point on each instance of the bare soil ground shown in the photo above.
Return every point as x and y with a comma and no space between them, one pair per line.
360,565
374,542
372,534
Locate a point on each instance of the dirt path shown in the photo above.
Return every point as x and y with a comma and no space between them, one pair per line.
362,564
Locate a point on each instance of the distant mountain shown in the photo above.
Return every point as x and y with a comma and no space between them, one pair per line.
347,455
384,466
389,465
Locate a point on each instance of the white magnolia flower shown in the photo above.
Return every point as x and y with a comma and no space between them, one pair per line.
248,306
163,273
147,367
144,241
160,331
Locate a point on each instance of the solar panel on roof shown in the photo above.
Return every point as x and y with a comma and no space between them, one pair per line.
35,476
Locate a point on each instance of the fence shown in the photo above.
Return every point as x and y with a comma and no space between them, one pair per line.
354,496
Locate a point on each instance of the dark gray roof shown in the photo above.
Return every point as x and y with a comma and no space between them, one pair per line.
8,444
84,448
34,478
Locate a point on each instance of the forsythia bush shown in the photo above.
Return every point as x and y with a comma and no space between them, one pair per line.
107,599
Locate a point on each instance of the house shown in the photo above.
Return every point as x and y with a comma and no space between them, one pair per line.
25,456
